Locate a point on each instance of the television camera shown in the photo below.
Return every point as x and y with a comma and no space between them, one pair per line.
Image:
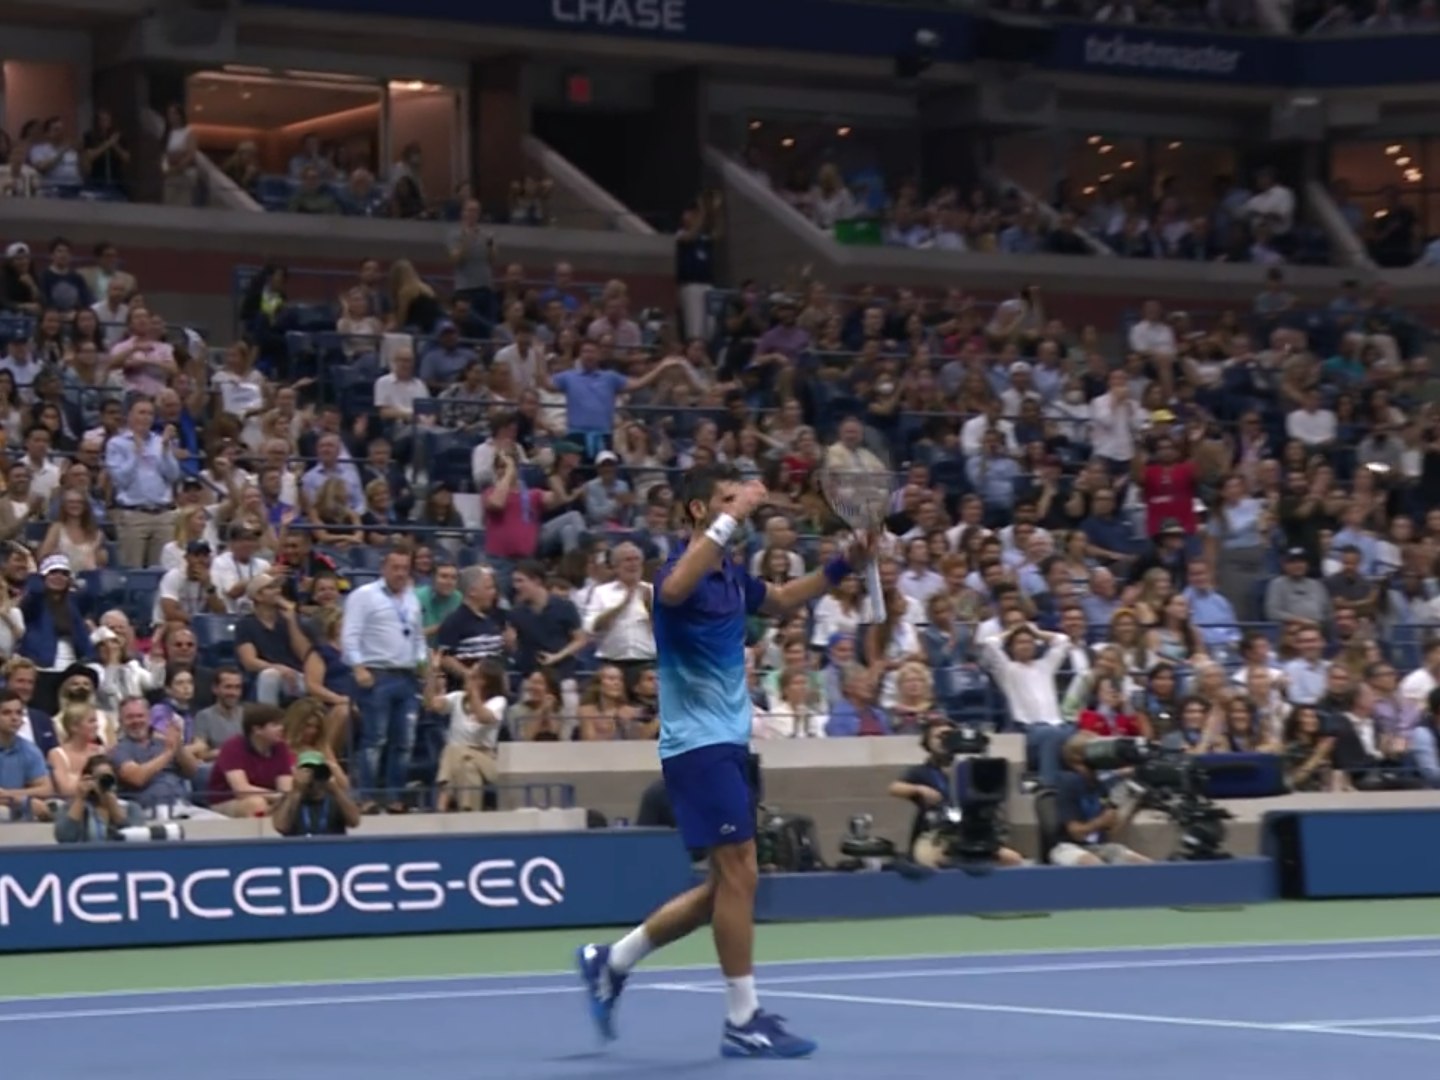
971,829
1171,782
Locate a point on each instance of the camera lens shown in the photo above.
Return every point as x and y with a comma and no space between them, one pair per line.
105,781
319,773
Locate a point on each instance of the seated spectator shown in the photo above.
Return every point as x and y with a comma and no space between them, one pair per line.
857,712
317,804
253,770
155,769
269,643
95,814
362,196
25,782
217,724
187,591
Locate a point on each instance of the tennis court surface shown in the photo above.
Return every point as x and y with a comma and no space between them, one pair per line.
1320,1010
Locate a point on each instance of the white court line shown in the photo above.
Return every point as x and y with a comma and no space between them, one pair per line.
1068,1014
1102,965
818,962
1383,1021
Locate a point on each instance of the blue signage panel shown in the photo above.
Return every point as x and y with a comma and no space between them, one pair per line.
183,893
842,27
1369,853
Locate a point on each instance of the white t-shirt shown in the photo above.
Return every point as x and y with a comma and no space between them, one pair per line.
393,393
1152,337
174,585
1114,427
465,730
1312,429
226,573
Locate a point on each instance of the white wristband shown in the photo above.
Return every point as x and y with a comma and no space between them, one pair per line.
721,530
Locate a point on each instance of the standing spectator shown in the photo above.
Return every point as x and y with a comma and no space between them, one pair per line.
590,395
477,629
143,471
57,161
105,159
618,615
695,265
474,255
180,158
383,639
548,632
62,286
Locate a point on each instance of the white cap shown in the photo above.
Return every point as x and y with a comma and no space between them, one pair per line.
53,564
606,457
17,249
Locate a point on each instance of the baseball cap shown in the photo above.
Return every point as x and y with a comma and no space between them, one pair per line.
444,326
1171,527
262,581
1021,367
17,249
1296,553
606,457
199,547
55,564
308,759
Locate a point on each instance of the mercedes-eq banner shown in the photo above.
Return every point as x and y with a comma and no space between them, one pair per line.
186,893
842,27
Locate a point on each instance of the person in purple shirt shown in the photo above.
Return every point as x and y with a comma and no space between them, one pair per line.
784,342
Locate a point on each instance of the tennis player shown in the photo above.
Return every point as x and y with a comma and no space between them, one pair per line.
703,597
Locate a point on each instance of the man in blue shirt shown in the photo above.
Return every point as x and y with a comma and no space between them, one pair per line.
24,779
1213,615
590,395
703,598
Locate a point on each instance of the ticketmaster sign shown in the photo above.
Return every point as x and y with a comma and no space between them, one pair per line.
151,894
1143,55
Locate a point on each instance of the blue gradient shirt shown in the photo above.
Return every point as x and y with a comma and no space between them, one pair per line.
700,659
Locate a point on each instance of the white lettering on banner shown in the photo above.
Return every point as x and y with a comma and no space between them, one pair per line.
247,892
432,890
1148,55
274,892
662,16
298,906
187,895
49,886
163,893
79,900
352,888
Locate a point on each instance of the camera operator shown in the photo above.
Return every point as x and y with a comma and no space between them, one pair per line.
1089,820
927,785
316,805
95,815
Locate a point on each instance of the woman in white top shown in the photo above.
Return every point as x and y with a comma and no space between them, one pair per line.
890,645
244,393
76,535
830,199
476,713
838,612
190,525
794,715
80,732
12,625
179,163
120,676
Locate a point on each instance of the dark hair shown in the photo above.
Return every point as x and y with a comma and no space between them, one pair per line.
223,671
93,762
172,671
7,695
533,569
258,715
492,679
58,242
700,483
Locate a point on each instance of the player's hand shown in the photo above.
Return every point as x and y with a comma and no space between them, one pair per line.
751,496
861,550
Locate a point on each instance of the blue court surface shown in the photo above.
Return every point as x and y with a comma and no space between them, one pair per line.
1324,1010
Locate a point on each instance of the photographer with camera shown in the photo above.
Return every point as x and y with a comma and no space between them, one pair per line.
316,805
1089,821
96,814
935,830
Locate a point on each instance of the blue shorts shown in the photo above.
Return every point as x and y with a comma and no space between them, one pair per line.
711,795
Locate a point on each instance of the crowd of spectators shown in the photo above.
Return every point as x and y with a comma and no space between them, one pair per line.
1222,532
1209,14
45,158
1375,17
1243,223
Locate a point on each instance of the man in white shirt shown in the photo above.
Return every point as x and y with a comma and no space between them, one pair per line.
972,434
187,590
383,639
232,572
1115,420
525,357
1416,688
396,393
1311,425
1028,683
45,474
1273,204
113,312
1022,389
504,428
1152,336
848,453
617,615
919,581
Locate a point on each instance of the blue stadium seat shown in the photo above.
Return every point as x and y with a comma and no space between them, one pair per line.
140,589
273,192
215,638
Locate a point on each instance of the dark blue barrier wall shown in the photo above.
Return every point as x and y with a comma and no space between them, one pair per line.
1334,854
155,894
859,29
797,897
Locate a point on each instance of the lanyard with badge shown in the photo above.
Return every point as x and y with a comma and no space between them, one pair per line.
401,612
312,825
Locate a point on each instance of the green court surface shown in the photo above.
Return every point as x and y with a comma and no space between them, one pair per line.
339,960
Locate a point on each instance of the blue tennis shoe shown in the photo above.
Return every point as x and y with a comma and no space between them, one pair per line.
602,986
763,1036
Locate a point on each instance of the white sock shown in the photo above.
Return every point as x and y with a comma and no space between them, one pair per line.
741,1003
630,950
